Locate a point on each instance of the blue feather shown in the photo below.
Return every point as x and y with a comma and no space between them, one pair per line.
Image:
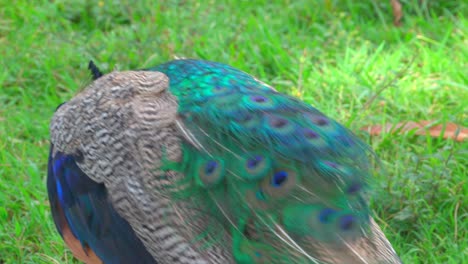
89,214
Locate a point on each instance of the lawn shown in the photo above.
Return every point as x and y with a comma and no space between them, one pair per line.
344,57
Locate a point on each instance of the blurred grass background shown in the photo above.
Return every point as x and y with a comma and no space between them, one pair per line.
344,57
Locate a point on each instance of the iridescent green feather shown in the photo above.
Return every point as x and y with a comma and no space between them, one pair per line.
264,161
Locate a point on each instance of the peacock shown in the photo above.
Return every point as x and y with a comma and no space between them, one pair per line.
194,161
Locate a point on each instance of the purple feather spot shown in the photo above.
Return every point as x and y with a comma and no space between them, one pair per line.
325,215
210,167
355,187
258,98
278,122
321,121
347,222
279,178
252,163
310,134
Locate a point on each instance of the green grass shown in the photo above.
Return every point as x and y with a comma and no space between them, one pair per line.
344,57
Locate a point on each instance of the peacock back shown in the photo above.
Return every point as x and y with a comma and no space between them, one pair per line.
197,162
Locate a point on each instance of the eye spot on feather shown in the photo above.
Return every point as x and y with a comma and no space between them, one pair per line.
347,222
256,167
252,163
258,99
354,188
279,178
278,122
310,134
321,121
279,126
280,183
326,214
210,173
210,167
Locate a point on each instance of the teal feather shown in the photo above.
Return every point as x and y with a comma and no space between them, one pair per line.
257,159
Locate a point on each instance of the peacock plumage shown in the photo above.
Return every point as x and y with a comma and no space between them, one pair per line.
197,162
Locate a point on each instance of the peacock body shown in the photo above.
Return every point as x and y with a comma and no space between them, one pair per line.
197,162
